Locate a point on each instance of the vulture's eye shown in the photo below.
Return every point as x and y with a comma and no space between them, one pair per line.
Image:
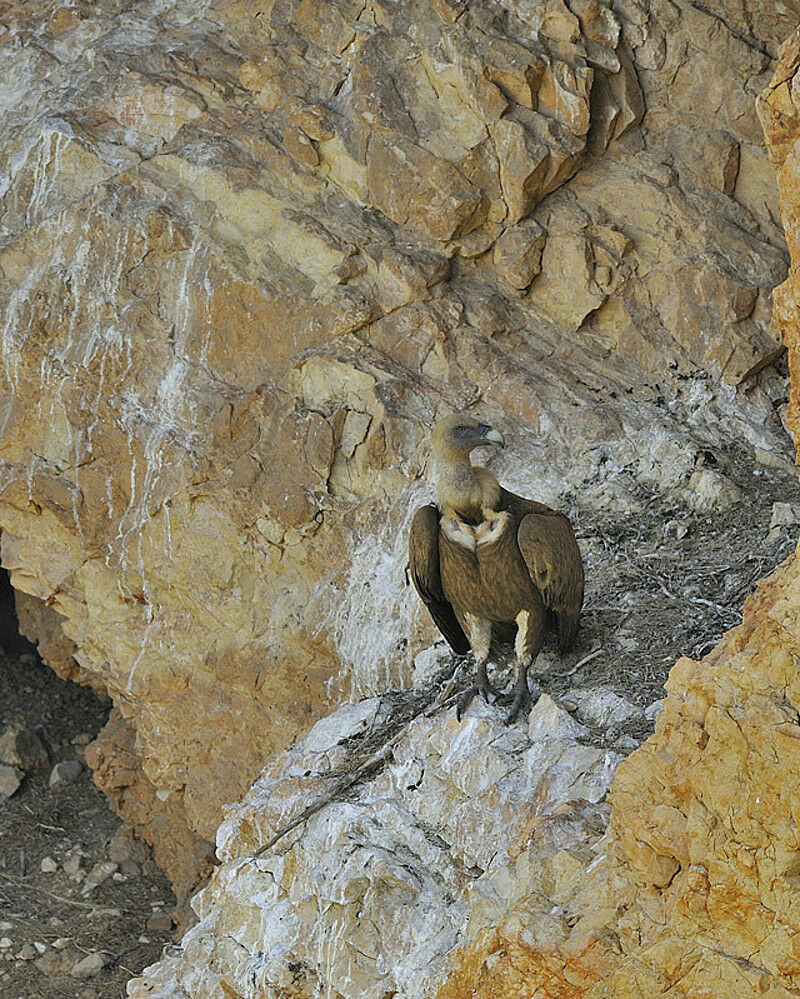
463,433
483,429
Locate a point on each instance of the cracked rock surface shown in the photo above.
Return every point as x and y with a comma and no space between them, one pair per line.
690,890
249,252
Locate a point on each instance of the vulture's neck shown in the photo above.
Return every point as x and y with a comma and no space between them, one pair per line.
463,489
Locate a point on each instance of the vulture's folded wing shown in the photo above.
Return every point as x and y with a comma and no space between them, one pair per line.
423,564
519,506
554,562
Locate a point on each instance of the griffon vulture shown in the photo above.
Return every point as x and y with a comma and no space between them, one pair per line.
484,559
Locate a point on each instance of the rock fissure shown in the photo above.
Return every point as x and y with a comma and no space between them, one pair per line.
612,235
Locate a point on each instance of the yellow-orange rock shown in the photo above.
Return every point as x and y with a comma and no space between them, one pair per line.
691,890
247,256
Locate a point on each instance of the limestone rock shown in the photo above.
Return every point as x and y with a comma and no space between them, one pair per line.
518,253
21,747
690,890
90,965
603,708
65,773
472,837
708,489
248,255
10,780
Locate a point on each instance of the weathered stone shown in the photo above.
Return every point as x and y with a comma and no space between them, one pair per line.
247,258
601,707
65,772
784,515
99,873
20,747
470,832
708,489
90,965
518,253
10,780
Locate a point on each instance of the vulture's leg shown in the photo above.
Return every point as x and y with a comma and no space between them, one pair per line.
530,635
479,632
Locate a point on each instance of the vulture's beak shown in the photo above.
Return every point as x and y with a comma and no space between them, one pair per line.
493,436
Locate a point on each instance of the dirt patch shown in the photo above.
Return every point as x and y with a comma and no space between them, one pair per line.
82,905
665,581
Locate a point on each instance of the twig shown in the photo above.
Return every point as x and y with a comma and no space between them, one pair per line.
374,760
586,659
60,898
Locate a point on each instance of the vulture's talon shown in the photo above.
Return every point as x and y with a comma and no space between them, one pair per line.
485,688
520,702
465,700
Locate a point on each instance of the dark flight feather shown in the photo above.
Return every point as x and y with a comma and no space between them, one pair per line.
423,564
551,553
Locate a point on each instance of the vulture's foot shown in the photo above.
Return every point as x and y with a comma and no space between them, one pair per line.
520,701
519,698
482,687
465,700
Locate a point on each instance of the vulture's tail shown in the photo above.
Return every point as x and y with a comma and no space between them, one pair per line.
567,629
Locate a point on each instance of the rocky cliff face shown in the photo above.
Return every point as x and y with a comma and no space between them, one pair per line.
248,253
690,889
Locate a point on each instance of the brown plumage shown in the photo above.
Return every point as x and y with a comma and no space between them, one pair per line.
488,563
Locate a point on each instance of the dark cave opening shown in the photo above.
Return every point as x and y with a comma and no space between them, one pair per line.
11,638
75,886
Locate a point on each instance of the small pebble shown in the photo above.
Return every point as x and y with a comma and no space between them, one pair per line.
48,865
101,872
65,772
73,863
27,953
56,963
10,780
6,926
159,922
675,529
40,947
89,965
62,942
5,943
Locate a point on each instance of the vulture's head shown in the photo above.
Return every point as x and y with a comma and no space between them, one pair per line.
459,434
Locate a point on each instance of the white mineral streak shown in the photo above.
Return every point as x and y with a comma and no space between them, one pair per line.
366,619
372,896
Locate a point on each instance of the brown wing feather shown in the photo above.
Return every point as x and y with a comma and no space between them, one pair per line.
423,564
519,506
551,553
